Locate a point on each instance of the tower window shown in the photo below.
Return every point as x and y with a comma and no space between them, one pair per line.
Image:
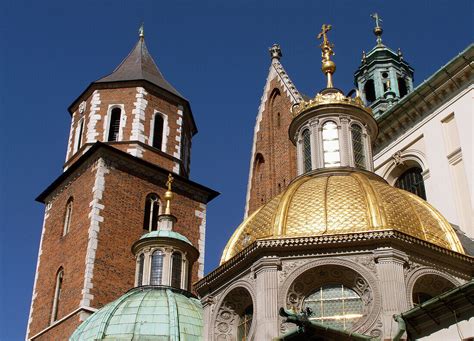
412,181
141,263
158,126
78,137
307,166
68,216
156,275
57,295
152,207
402,87
331,154
369,91
358,146
176,261
114,125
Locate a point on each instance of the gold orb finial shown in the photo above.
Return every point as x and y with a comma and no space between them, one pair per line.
328,66
377,29
169,194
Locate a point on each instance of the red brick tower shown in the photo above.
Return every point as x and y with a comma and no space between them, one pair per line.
129,130
272,164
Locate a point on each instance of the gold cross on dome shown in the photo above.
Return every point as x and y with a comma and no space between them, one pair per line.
323,34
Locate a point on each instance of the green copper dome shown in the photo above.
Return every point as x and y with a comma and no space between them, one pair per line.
145,313
166,234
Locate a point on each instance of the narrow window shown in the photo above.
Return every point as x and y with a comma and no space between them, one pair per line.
57,295
278,120
68,216
152,207
402,87
331,154
158,131
176,261
369,91
156,267
78,137
358,146
412,181
307,166
141,262
245,322
114,125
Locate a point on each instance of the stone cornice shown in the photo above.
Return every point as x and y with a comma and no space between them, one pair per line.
372,240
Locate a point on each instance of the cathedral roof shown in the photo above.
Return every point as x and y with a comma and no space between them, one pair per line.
139,65
342,201
145,313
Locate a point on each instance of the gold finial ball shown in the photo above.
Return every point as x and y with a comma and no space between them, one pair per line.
378,31
328,67
169,195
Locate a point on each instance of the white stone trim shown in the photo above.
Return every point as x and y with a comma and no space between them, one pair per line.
78,134
40,251
201,214
123,121
276,70
80,309
96,207
165,131
94,117
138,126
69,141
137,151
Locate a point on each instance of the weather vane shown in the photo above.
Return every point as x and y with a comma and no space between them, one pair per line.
377,29
328,66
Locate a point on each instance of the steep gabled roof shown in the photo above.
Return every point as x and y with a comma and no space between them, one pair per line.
139,65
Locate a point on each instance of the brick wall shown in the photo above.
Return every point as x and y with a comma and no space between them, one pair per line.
274,164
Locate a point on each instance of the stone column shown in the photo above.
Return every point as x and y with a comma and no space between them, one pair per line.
392,287
207,305
266,312
345,148
314,144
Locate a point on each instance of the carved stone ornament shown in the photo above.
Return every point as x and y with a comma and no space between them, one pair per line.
397,158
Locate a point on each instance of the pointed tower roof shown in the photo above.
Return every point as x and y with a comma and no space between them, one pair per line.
139,65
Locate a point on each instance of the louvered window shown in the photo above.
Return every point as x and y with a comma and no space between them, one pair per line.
307,151
358,146
176,260
156,275
114,126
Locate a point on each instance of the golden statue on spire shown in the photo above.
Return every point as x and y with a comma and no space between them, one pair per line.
328,66
169,194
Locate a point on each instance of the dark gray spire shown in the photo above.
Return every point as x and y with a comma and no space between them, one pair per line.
139,65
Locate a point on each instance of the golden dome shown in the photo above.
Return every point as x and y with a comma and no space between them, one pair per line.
342,201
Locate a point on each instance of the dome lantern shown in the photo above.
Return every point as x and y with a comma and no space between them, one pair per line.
332,130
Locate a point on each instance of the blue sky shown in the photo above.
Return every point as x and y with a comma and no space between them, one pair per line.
214,53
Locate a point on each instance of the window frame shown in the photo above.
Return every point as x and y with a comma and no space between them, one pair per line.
148,217
164,131
57,295
363,145
109,121
68,216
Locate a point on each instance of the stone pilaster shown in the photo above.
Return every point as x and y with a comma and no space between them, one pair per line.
266,312
207,304
392,286
347,158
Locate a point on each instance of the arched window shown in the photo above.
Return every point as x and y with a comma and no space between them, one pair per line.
245,322
68,216
429,286
141,263
152,207
156,275
114,125
402,87
412,181
307,166
57,294
176,263
331,154
369,91
158,126
358,147
335,305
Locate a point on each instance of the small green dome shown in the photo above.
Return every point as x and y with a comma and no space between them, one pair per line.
146,313
166,234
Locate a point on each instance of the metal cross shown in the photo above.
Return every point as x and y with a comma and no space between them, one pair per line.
324,29
377,18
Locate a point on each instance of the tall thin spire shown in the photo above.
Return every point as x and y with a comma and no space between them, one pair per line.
328,66
141,31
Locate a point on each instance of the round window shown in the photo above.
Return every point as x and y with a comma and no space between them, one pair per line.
335,305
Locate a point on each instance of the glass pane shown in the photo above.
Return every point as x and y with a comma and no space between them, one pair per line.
331,147
358,146
176,270
307,151
156,268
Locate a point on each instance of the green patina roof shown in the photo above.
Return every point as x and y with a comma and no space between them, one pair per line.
145,313
167,234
